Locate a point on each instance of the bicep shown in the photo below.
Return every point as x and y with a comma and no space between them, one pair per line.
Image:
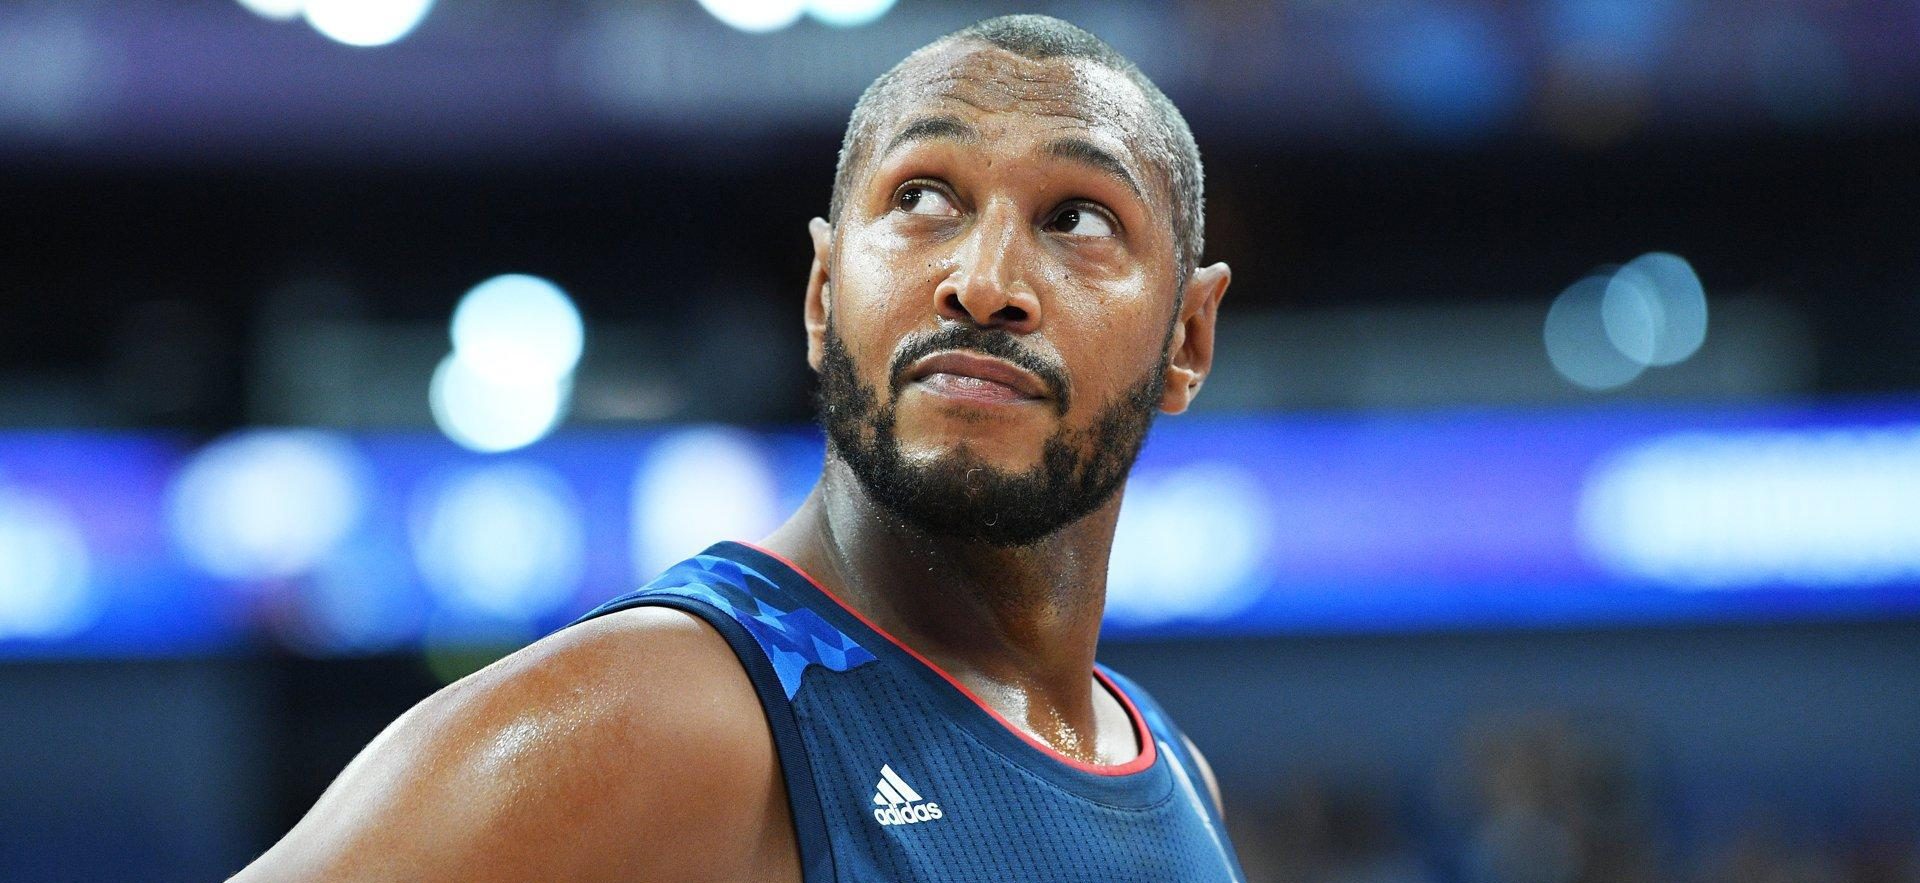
544,766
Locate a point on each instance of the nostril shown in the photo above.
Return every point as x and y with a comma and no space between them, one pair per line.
952,306
1011,315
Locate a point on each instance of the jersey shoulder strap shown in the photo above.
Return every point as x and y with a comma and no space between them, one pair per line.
776,638
788,634
1172,741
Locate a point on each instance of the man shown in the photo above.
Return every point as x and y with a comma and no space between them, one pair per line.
898,683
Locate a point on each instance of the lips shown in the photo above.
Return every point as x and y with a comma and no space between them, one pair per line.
970,376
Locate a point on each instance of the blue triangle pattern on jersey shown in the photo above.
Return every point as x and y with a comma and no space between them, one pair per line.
792,639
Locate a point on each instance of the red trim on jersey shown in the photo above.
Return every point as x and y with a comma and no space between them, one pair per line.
1140,731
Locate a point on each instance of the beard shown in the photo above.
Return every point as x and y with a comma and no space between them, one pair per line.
960,496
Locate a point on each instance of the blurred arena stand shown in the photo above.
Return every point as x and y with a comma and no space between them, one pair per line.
1559,478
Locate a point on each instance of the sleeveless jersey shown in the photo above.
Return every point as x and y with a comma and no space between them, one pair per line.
896,772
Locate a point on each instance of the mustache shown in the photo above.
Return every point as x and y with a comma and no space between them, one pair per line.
985,341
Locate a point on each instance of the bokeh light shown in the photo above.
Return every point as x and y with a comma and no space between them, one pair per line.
696,487
267,504
1715,510
1578,340
45,589
503,540
518,328
1604,330
847,13
516,340
356,601
483,413
1631,315
365,22
1443,70
1672,292
52,69
755,16
1637,30
1189,545
277,10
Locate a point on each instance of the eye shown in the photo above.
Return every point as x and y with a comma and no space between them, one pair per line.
923,199
1081,219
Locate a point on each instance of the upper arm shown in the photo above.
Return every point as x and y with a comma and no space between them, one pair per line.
595,753
1206,774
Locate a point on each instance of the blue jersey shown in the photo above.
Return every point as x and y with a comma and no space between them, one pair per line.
896,772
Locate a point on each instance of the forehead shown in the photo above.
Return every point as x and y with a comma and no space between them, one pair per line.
993,80
1000,91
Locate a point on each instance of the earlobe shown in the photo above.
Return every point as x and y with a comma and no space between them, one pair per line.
1190,355
1183,386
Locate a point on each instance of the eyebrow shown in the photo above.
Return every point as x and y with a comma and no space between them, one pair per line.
1078,150
1090,154
932,128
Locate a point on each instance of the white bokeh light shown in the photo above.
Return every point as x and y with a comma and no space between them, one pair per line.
694,488
518,328
485,414
45,588
1578,343
365,22
1732,509
277,10
267,504
1188,546
847,13
504,540
755,16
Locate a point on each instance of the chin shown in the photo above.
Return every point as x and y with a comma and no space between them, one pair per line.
1005,453
1007,438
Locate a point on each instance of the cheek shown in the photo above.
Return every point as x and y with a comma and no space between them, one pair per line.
1116,333
867,253
882,292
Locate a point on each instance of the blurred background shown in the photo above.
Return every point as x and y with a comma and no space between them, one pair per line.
1553,514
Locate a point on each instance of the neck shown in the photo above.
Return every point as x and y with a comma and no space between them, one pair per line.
1018,626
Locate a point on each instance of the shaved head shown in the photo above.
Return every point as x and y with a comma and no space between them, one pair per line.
1110,89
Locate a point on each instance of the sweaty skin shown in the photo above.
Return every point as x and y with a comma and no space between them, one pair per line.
632,746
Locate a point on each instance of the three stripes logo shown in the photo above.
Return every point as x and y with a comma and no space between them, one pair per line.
896,803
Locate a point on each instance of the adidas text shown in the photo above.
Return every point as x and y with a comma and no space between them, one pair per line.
897,815
896,803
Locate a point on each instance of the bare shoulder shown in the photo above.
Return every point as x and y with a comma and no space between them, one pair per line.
595,753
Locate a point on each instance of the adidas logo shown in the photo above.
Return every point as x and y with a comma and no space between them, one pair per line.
898,804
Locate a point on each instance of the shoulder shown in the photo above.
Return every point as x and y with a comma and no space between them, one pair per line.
574,758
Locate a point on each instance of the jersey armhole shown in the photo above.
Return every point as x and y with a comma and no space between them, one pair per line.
803,801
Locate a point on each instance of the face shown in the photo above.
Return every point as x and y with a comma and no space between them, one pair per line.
997,314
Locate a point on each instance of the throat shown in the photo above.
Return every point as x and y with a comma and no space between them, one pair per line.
1015,626
1103,736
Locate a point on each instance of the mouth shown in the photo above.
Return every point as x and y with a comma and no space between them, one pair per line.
975,378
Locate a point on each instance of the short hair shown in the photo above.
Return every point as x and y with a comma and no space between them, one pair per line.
1170,143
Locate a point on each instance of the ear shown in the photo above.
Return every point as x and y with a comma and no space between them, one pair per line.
819,296
1192,345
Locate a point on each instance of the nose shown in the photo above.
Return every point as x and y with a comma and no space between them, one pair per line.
988,282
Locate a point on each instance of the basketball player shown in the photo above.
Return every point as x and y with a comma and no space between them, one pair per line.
898,683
